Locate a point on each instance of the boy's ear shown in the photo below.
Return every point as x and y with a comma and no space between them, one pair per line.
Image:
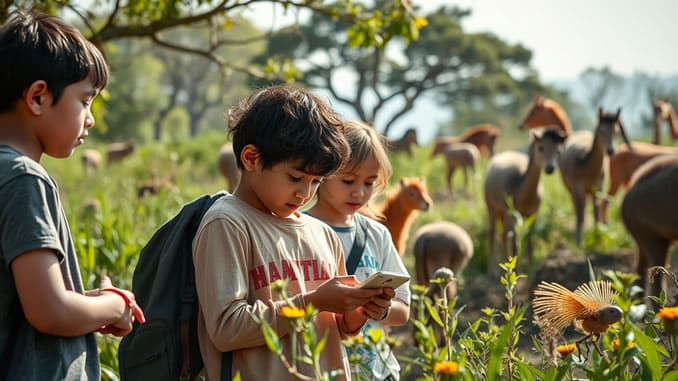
250,157
35,96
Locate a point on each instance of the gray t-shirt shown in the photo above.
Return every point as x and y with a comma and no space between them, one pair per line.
31,217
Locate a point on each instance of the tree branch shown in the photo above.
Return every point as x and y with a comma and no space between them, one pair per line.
208,54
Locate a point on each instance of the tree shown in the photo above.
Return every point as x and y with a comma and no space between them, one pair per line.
159,22
195,83
109,20
443,60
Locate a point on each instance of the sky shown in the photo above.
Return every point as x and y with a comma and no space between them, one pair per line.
565,37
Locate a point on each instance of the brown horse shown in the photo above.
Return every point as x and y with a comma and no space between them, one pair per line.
400,208
624,163
405,143
513,182
546,113
483,136
650,213
663,111
584,164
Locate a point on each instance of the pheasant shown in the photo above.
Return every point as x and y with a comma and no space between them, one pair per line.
590,307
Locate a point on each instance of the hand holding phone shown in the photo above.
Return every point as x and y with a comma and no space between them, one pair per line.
384,279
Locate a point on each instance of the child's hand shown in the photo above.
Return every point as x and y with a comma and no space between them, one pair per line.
339,296
132,311
377,308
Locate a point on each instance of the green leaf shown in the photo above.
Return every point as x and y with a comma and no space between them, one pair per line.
320,346
497,353
651,362
434,314
271,338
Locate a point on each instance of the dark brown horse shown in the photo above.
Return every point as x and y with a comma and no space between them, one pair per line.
405,143
546,113
664,112
483,136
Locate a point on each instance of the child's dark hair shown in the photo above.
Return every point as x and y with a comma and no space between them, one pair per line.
289,123
35,46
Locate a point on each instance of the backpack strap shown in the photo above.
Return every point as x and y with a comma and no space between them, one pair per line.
358,244
189,298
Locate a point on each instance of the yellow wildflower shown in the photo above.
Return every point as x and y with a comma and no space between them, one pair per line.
375,334
447,367
292,312
616,343
670,317
668,313
354,341
420,22
566,349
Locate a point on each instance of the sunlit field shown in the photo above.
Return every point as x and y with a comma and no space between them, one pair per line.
111,223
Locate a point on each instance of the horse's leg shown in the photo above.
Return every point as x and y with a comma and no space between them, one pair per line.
491,231
596,208
657,126
652,251
465,168
579,200
509,237
528,246
450,174
615,182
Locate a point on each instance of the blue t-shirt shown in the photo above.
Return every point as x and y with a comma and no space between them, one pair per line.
31,217
379,255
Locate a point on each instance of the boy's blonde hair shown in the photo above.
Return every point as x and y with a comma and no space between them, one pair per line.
365,142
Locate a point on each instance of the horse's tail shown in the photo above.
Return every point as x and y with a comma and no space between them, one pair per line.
420,254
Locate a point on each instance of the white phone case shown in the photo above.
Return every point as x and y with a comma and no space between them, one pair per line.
384,279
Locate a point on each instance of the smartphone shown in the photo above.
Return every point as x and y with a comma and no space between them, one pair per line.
384,279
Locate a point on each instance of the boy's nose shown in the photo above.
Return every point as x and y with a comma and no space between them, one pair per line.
306,192
89,121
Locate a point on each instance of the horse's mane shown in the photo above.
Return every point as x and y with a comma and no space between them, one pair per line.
559,113
484,128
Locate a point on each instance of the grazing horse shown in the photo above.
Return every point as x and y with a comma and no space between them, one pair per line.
546,113
663,111
400,208
91,160
650,214
405,143
441,244
464,155
118,151
483,136
624,163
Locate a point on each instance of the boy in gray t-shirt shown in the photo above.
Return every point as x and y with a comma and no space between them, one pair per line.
50,75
